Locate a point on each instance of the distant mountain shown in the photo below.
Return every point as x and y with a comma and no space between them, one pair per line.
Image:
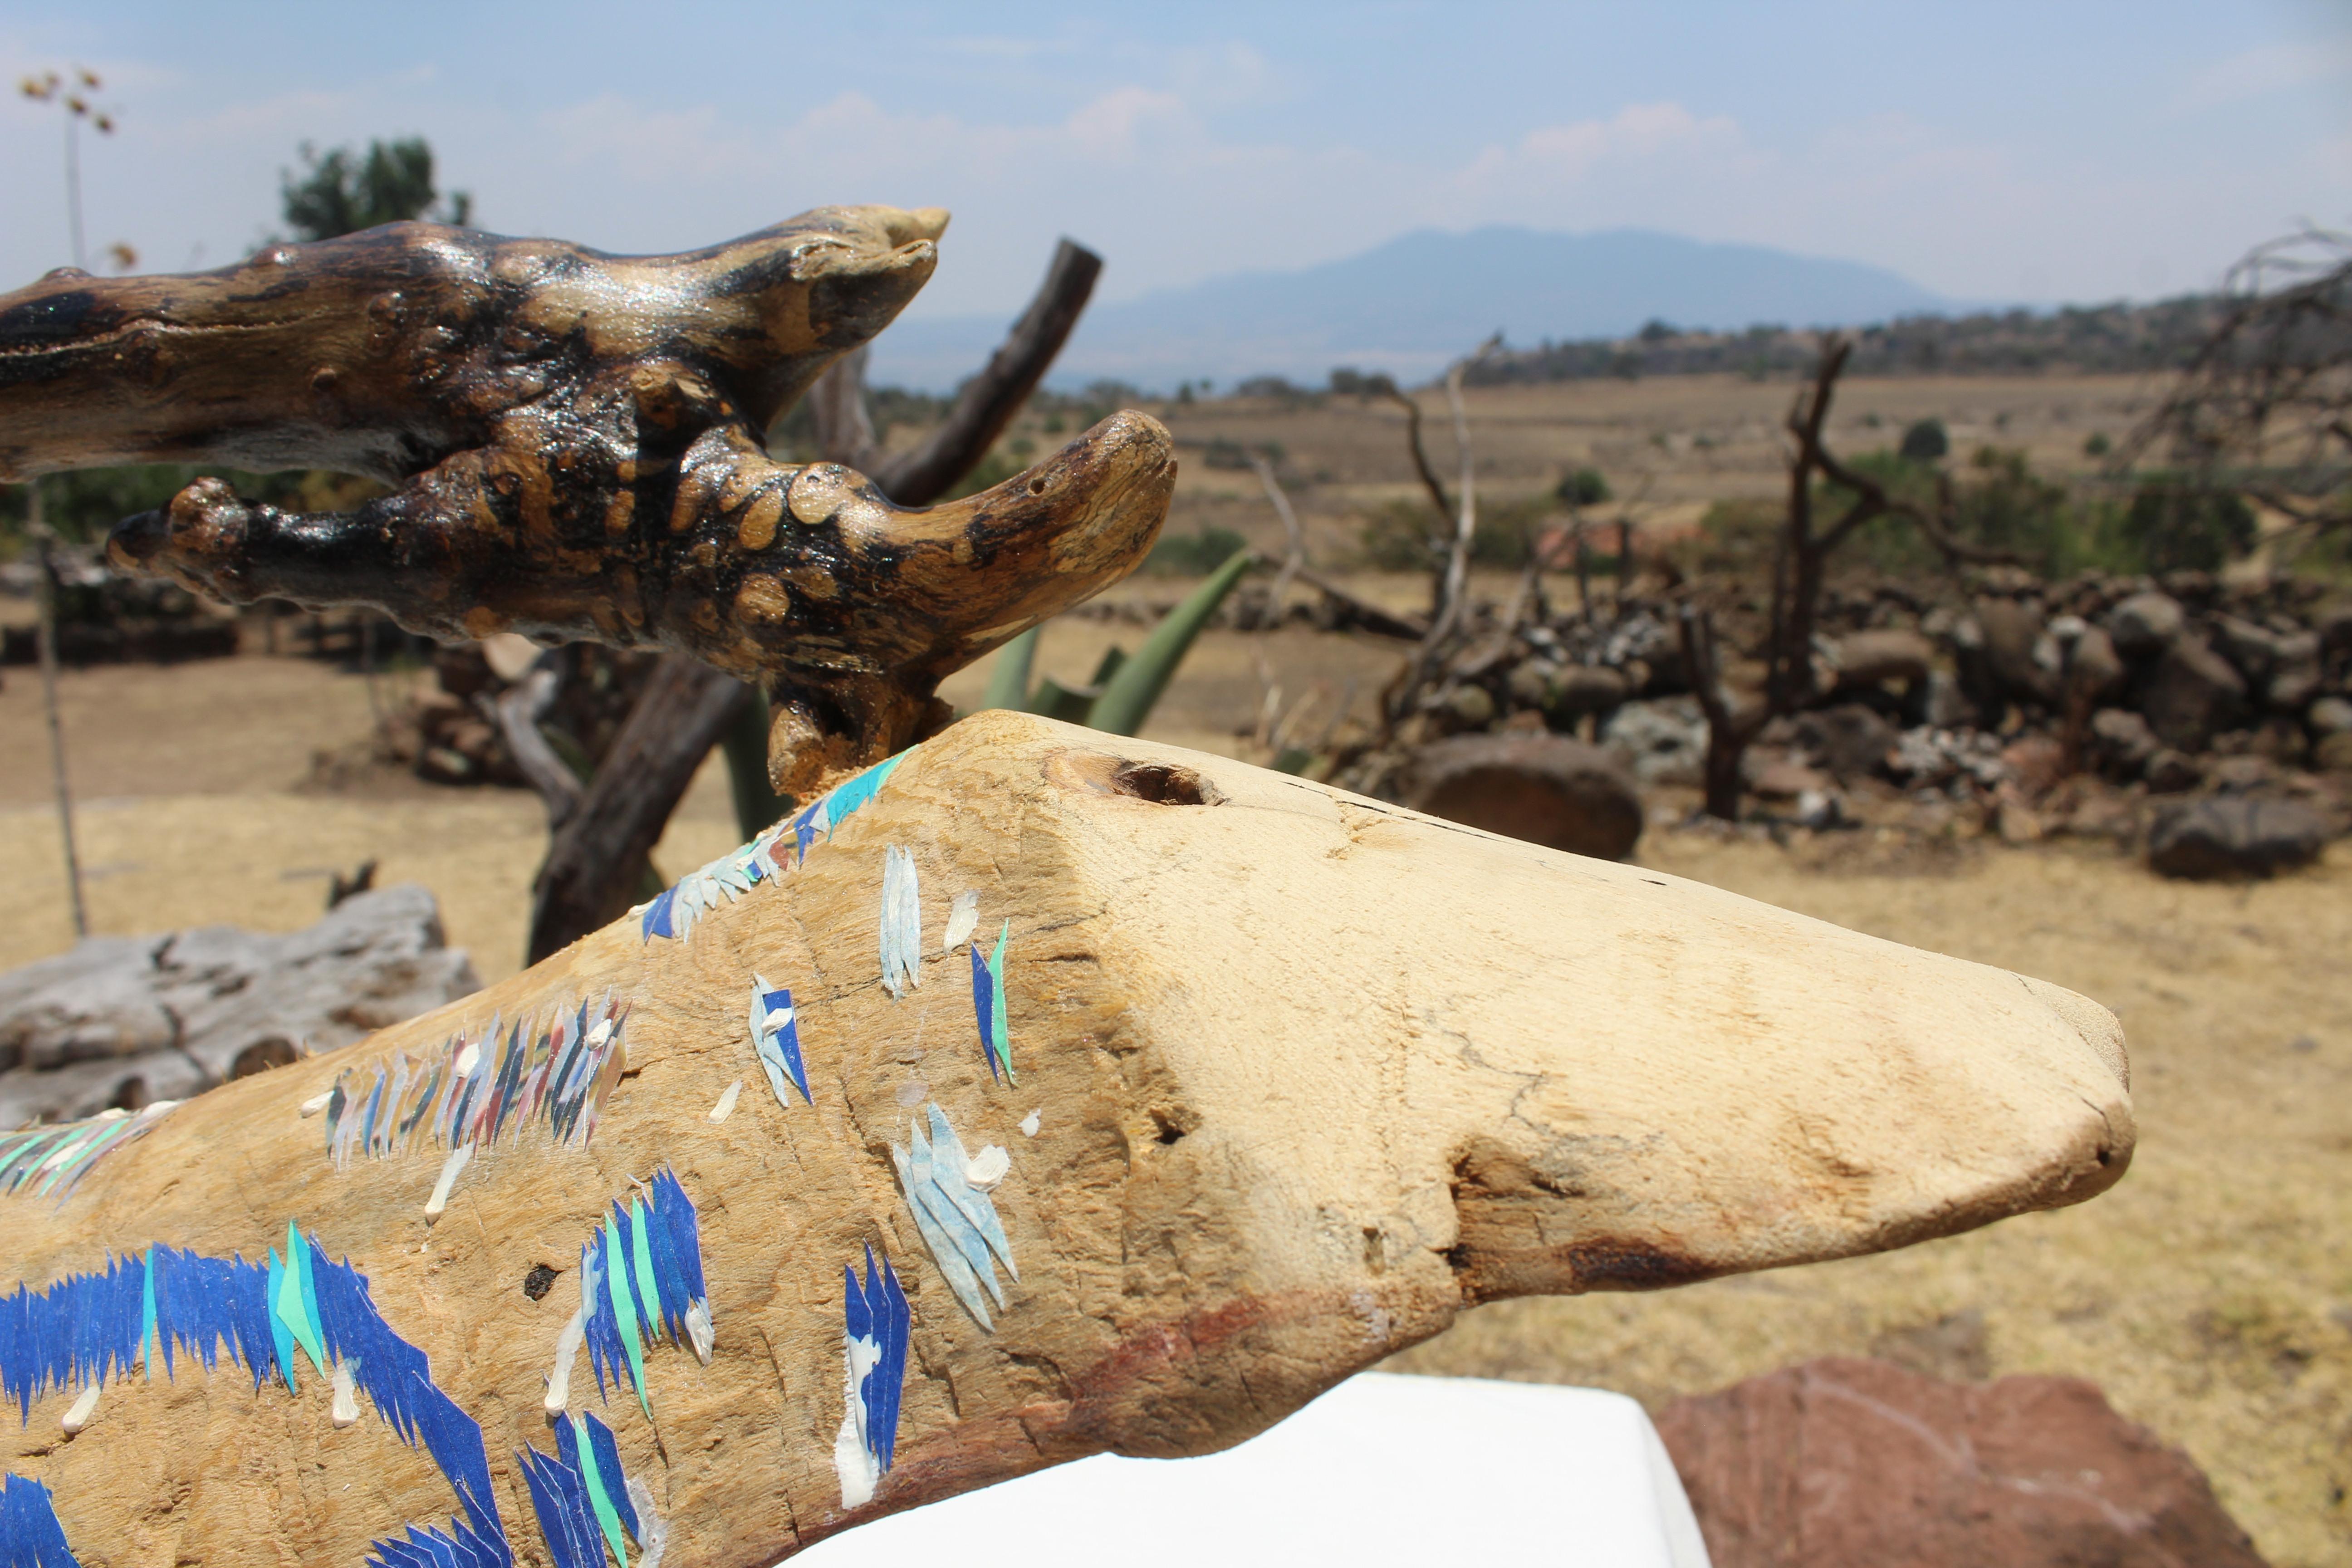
1410,306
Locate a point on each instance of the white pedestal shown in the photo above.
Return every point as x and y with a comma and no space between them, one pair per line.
1382,1470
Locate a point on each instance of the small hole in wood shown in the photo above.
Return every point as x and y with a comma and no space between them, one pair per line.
1164,783
538,1281
1036,487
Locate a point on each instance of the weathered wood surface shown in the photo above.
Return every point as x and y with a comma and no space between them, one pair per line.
1309,1075
576,441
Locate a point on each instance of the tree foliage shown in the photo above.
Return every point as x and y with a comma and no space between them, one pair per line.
344,191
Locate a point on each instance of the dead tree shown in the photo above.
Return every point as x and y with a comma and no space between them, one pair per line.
2264,406
1801,568
1214,1108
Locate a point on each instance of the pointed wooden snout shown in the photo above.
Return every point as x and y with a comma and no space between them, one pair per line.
1164,1092
386,351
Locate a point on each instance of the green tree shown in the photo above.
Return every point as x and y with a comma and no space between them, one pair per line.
1926,442
346,190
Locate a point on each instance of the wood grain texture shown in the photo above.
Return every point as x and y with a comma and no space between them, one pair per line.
1311,1074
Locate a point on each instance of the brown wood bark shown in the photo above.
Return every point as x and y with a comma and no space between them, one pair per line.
596,854
1268,1121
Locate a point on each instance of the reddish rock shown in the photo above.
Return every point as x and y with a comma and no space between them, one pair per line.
1860,1464
1546,789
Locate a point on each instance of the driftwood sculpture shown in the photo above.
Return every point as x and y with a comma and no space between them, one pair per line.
576,441
1029,1094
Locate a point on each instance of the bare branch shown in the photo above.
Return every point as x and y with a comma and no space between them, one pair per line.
845,432
1294,557
990,400
596,857
1420,463
516,712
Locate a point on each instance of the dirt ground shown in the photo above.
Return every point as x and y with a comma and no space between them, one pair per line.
1678,443
2210,1294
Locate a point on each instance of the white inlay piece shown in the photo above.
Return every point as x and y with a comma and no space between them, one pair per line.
726,1106
78,1414
567,1351
988,1167
317,1103
653,1530
902,923
962,916
853,1457
1029,1123
346,1409
450,1169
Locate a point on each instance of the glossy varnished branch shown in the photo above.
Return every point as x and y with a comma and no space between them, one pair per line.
575,442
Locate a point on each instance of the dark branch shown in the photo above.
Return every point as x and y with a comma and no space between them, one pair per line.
593,864
990,400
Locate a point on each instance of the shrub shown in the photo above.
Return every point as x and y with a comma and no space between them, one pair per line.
1924,441
1178,556
2173,523
1585,487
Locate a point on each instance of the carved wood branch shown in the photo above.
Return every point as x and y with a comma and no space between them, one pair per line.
1173,1092
575,440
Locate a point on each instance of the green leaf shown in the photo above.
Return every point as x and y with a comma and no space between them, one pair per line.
1008,680
1127,699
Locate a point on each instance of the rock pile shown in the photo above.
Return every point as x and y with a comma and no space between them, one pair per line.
2097,704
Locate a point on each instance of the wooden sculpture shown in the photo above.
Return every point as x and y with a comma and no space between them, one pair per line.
576,441
1031,1093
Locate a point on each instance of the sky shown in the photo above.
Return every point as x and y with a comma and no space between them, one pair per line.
2058,151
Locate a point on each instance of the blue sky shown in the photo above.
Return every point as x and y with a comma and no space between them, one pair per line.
1990,151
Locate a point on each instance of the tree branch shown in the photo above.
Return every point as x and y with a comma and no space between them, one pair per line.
516,712
990,400
596,856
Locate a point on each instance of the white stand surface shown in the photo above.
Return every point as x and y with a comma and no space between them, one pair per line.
1383,1469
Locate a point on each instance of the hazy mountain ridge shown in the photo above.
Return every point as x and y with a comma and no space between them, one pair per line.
1410,306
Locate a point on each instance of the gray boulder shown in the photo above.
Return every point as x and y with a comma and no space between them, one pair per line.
2296,674
1889,657
2144,624
1546,789
2235,836
2015,659
126,1020
1567,691
1664,742
2122,742
2330,716
2094,667
1849,741
2192,694
2253,650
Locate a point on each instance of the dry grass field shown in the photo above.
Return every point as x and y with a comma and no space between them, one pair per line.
2210,1294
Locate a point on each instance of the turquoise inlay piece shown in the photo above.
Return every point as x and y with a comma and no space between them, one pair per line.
625,1308
648,1293
147,1316
608,1519
847,799
67,1154
1001,1038
297,1300
281,1339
